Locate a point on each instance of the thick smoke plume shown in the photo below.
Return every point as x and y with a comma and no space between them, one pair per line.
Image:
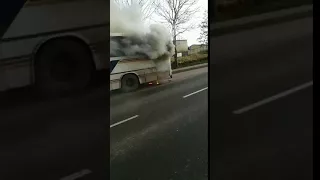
154,41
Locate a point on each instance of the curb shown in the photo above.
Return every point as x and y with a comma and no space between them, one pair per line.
264,19
175,71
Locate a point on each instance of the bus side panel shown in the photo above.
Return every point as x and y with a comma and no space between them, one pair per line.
14,75
133,65
65,17
164,75
151,75
115,79
100,51
16,64
145,76
55,17
19,55
145,69
164,70
115,84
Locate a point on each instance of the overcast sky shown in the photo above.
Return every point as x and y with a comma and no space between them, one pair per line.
193,35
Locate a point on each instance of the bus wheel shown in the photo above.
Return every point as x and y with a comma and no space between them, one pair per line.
129,83
62,66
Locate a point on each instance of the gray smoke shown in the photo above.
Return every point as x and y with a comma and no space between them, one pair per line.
154,41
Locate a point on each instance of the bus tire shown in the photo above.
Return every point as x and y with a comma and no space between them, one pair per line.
129,83
62,66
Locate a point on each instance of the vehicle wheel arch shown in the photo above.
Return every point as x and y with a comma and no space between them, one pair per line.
133,73
43,48
47,41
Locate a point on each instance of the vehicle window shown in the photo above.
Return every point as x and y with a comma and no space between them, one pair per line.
116,46
120,43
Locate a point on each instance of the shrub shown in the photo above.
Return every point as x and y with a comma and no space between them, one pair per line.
192,59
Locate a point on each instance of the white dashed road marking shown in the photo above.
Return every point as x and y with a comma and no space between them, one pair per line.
273,98
195,92
120,122
77,175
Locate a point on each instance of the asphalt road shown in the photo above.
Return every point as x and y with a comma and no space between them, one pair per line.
50,139
54,138
168,138
272,137
156,133
261,115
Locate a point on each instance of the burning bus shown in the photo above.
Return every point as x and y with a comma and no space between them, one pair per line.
131,65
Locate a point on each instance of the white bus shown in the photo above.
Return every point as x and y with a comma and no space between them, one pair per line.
128,72
55,45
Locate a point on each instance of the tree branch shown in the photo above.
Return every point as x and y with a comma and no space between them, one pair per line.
178,13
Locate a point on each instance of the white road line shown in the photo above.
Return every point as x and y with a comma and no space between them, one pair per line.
120,122
195,92
77,175
273,98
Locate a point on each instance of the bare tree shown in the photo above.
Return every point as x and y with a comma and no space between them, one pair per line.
148,7
177,14
203,39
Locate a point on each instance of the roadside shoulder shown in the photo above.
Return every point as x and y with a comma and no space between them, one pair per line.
264,19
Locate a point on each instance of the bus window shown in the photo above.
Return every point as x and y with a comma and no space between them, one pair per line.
116,46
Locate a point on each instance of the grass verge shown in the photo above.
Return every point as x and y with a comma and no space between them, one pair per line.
191,60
